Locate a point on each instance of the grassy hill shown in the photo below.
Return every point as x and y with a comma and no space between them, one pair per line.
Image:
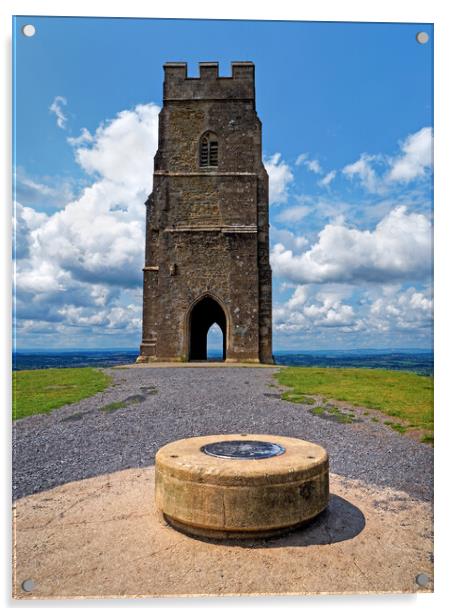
405,395
42,391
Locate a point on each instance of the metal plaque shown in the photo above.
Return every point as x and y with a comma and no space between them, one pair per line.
243,450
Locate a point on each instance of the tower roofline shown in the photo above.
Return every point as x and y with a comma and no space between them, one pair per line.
178,86
239,69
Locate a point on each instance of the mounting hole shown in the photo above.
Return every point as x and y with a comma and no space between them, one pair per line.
28,30
28,585
422,579
422,38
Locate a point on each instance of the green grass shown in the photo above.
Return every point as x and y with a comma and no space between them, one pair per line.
299,398
42,391
123,404
328,411
404,395
113,406
399,428
340,415
318,410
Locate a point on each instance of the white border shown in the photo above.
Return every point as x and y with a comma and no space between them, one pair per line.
432,11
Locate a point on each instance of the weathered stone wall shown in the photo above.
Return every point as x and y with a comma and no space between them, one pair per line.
207,227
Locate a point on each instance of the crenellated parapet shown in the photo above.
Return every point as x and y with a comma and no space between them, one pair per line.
209,85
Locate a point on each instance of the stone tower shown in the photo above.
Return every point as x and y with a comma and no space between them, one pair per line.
207,236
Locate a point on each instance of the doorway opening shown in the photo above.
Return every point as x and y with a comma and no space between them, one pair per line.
215,343
204,315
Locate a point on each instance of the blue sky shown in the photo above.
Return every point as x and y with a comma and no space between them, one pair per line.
347,113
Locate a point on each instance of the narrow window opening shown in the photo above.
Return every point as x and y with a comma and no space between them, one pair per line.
213,154
208,156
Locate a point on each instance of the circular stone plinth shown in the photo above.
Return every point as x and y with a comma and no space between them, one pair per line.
240,485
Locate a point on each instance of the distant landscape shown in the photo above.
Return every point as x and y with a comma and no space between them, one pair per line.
419,361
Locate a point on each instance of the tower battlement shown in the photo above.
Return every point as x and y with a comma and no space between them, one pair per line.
209,85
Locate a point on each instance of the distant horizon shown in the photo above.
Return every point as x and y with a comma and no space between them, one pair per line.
136,350
416,360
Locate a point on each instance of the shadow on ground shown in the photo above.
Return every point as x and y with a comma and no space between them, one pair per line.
339,522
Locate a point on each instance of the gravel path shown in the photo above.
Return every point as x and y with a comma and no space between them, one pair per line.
165,404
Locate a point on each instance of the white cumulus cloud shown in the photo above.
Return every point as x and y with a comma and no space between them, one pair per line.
119,151
288,238
312,164
363,170
72,265
84,137
327,179
385,310
408,309
309,311
42,193
416,157
294,213
399,248
57,108
25,220
280,176
413,162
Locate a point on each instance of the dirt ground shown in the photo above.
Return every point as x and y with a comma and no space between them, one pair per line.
101,537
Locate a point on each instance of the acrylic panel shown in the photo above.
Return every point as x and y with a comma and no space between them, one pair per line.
222,243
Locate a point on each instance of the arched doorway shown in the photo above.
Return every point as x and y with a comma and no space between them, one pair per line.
203,315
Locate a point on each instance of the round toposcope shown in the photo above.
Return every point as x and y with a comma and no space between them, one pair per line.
239,486
243,450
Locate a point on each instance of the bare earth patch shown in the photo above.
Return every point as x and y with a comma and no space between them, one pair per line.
101,537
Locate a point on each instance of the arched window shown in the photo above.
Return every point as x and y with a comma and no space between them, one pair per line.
208,152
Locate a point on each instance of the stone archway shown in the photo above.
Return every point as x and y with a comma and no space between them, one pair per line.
203,315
